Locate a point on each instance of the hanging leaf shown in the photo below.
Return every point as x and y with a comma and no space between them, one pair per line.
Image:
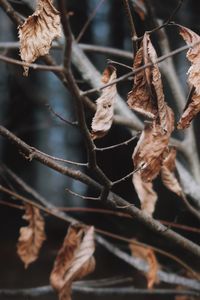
38,31
168,172
139,99
193,106
32,236
74,260
148,153
148,255
103,118
146,194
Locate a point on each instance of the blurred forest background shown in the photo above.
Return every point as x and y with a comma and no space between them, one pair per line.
24,111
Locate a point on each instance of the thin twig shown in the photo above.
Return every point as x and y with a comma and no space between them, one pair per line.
132,27
125,143
81,196
33,66
60,117
125,177
89,20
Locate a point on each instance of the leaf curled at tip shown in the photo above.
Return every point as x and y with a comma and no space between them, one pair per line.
168,172
74,260
193,106
38,31
32,236
148,255
103,118
146,194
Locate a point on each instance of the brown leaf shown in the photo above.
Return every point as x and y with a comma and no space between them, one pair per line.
139,99
103,118
32,236
167,172
38,31
146,194
74,260
193,55
148,153
148,255
147,95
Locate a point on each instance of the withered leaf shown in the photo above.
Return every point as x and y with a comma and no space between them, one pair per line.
148,153
146,194
168,172
38,31
32,236
193,107
147,95
74,260
148,255
139,99
103,117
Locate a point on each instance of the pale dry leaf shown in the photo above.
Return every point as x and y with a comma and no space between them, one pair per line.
148,153
103,118
162,108
146,194
139,98
38,31
168,172
193,107
148,255
32,236
74,260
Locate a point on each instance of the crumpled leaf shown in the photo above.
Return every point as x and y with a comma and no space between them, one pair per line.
74,260
148,255
139,99
148,153
168,172
193,106
146,194
38,31
103,118
147,95
32,236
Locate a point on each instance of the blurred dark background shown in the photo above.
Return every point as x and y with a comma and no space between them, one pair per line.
24,112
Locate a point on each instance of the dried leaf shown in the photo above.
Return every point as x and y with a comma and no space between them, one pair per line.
147,95
32,236
146,194
74,260
148,255
148,153
103,118
193,107
168,172
139,99
38,31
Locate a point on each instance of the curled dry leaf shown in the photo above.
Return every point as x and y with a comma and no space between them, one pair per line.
32,236
74,260
103,118
148,255
139,99
146,194
148,153
168,172
38,31
193,55
147,95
